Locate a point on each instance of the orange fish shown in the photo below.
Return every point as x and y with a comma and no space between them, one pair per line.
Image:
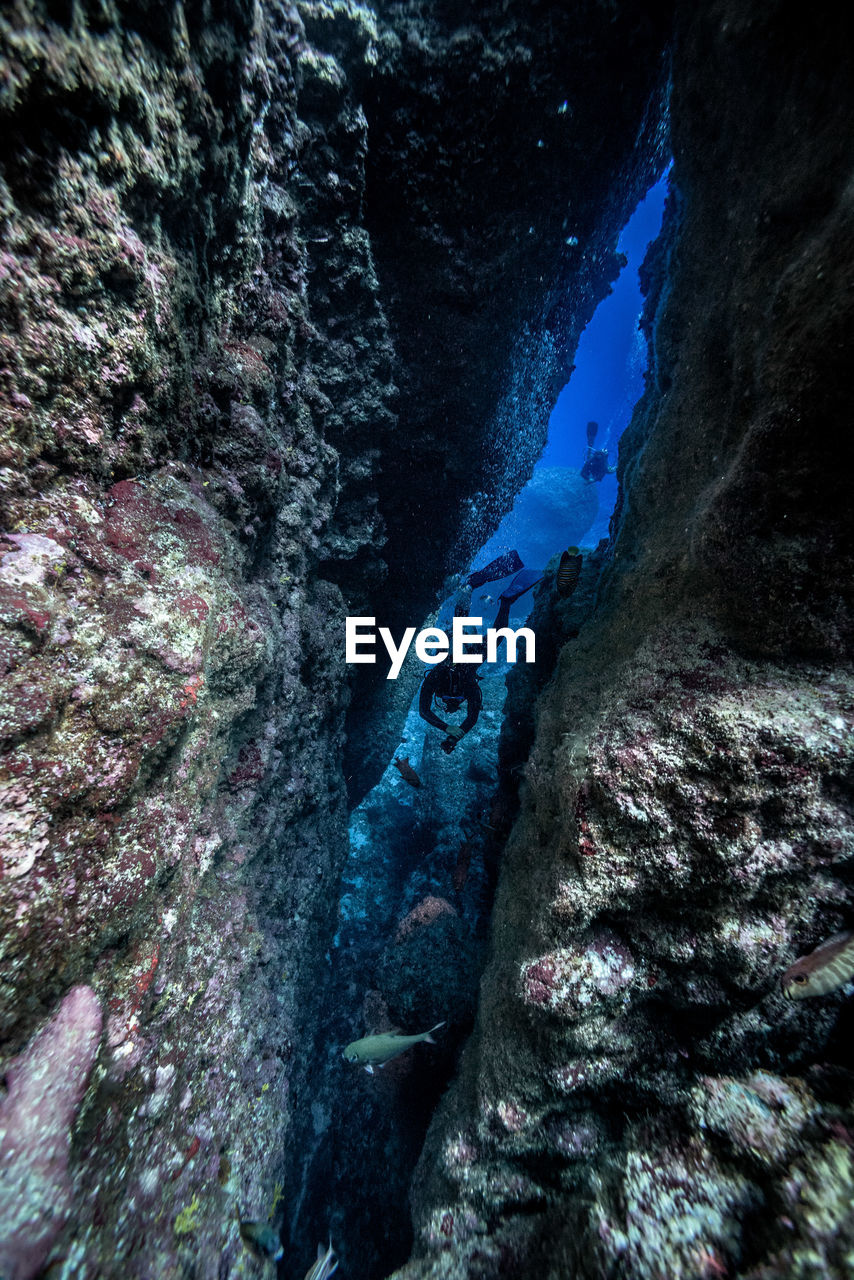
831,965
407,772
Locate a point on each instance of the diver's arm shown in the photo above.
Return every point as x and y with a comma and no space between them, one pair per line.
424,700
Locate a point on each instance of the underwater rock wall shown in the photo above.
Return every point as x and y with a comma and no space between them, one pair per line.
195,380
638,1098
509,143
199,455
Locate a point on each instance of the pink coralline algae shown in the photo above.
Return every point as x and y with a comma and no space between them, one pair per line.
574,982
45,1084
762,1116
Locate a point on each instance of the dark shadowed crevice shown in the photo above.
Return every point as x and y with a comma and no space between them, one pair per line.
418,886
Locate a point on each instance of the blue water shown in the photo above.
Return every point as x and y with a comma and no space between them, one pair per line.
555,509
604,386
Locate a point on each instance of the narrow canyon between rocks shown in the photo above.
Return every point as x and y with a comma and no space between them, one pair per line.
303,321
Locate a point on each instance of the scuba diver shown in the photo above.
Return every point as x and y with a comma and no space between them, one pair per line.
451,684
595,466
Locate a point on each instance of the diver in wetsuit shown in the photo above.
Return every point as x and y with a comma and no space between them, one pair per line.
451,684
595,466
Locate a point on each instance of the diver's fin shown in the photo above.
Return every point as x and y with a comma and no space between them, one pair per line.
592,430
500,567
523,581
502,617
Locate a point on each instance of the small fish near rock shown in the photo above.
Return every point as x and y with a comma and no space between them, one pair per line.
569,571
324,1265
826,969
407,772
261,1237
376,1051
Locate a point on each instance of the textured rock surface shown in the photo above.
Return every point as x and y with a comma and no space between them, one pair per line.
638,1099
199,453
286,293
45,1085
173,472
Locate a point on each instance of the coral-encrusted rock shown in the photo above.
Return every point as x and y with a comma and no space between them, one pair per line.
763,1116
679,862
174,688
575,983
422,915
140,671
817,1222
682,1215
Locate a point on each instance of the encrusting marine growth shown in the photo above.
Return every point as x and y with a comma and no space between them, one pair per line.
287,294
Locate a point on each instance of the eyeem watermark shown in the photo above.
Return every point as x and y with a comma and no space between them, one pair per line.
432,645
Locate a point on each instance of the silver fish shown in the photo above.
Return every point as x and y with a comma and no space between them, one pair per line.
375,1051
831,965
324,1264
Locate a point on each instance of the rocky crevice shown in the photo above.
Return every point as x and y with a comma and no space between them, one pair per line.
199,457
287,292
502,167
638,1098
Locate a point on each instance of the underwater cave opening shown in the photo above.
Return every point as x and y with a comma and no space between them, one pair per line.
558,506
417,890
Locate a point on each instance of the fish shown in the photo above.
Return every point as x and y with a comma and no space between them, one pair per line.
407,772
261,1237
376,1051
487,599
568,571
324,1264
831,965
